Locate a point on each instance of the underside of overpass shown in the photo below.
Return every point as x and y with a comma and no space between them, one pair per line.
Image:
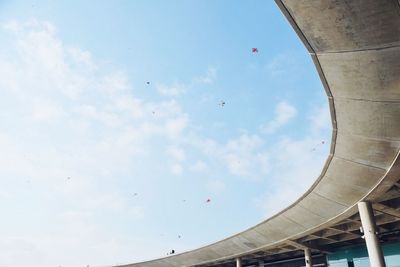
323,242
355,45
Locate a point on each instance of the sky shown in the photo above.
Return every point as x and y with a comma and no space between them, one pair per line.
131,128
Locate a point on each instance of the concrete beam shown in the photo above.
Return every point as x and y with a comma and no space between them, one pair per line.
386,210
306,246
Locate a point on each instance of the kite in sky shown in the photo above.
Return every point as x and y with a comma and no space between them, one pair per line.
222,104
254,50
315,148
208,200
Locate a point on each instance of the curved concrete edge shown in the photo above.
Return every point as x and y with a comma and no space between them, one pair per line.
355,47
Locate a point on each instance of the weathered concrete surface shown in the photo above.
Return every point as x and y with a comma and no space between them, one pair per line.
355,46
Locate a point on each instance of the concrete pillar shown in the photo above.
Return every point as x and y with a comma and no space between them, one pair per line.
238,262
260,263
370,234
307,257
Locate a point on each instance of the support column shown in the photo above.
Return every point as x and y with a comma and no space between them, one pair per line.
307,257
370,234
260,263
238,262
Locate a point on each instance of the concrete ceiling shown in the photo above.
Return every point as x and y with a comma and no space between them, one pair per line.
355,46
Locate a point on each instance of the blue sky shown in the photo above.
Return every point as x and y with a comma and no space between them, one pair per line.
113,135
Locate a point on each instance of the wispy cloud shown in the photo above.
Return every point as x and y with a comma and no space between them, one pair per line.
284,112
282,64
177,156
198,166
216,186
76,126
243,156
177,153
178,88
172,90
209,76
296,163
320,119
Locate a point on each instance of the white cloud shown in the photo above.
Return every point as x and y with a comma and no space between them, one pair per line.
273,201
320,119
71,118
138,212
100,130
175,126
82,58
284,112
175,89
198,166
243,156
95,114
177,153
132,105
164,109
46,110
296,164
294,168
281,64
176,169
216,186
177,156
114,83
209,77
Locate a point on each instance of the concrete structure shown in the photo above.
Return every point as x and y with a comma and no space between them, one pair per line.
308,257
371,234
355,46
238,262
